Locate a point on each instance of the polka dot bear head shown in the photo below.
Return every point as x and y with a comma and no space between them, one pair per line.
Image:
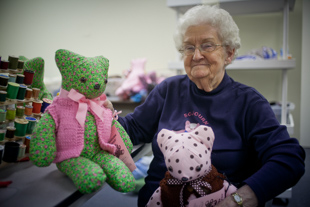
87,75
187,154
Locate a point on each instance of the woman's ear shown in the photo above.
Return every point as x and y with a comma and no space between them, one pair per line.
230,55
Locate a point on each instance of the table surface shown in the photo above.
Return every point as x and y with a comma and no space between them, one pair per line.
43,186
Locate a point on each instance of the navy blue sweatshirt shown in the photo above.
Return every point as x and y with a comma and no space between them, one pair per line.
250,146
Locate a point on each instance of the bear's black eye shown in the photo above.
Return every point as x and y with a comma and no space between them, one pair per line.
83,80
105,81
170,169
198,168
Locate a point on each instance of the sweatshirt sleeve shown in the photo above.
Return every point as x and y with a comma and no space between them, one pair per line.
142,124
281,157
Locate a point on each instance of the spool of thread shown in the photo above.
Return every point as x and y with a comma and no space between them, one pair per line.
28,110
21,92
35,93
2,115
20,64
4,79
22,150
13,62
10,113
12,78
1,152
2,134
37,116
3,95
21,127
20,78
4,64
45,104
11,150
37,106
29,74
10,131
31,124
28,94
20,111
12,90
27,143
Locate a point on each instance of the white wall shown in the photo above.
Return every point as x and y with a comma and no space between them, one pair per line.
120,30
123,30
305,78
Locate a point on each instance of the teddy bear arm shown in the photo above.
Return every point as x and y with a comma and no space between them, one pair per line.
123,135
43,142
155,199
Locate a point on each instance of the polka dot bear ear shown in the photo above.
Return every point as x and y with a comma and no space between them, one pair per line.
165,138
205,135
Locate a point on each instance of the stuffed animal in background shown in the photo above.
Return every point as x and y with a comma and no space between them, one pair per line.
137,84
191,179
37,66
75,130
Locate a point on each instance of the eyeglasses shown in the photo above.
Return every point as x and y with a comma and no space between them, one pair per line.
203,48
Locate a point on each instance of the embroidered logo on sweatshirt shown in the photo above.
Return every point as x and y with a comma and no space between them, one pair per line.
196,114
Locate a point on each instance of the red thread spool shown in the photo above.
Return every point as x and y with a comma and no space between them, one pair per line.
36,106
28,77
4,64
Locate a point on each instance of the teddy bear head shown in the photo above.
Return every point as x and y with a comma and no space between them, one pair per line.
187,154
87,75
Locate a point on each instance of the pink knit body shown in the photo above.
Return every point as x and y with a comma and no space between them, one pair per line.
70,134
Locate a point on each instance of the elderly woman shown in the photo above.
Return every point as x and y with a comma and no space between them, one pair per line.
251,148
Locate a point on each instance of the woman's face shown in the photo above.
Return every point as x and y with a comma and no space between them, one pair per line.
205,69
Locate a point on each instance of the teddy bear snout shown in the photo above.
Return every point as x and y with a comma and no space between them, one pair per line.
97,86
184,179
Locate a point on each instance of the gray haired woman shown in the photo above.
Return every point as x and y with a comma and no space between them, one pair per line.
251,148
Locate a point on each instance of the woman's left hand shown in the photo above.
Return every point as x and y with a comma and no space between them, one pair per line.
248,196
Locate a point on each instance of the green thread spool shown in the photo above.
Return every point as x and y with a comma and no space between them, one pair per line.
21,127
12,90
21,92
2,134
2,115
31,124
20,111
3,95
13,62
10,113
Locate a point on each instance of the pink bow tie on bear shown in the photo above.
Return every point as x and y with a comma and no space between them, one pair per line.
94,104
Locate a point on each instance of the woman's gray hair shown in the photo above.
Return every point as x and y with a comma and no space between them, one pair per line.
228,30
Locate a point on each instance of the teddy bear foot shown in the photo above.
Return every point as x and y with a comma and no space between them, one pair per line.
87,176
119,177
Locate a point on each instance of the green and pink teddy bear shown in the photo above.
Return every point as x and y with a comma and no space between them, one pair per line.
75,130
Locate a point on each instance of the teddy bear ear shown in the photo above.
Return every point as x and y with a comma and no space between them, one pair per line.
65,58
103,61
205,135
163,137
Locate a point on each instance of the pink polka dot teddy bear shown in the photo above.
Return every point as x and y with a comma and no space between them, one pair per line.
191,179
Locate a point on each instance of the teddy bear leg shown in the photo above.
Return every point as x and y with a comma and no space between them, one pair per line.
43,142
119,177
86,175
123,135
155,199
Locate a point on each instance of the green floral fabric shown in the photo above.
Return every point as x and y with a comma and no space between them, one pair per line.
94,166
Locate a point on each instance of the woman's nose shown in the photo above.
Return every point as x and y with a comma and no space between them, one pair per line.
197,54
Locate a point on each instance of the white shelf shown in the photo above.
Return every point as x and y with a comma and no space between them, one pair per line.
247,64
234,7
